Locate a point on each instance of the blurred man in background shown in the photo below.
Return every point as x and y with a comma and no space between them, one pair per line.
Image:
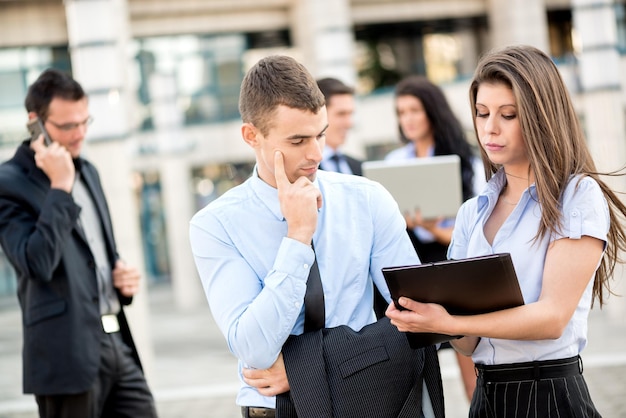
340,107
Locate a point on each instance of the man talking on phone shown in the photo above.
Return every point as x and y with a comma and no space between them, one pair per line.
79,359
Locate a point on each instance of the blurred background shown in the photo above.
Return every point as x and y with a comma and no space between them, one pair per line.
163,80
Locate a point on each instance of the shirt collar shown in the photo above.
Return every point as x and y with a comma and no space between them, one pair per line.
494,187
269,195
410,150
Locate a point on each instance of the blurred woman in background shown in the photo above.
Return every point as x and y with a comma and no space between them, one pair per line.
428,127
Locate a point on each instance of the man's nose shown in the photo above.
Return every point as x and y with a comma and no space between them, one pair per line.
314,151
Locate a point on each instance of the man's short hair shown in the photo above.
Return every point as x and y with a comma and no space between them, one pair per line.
273,81
50,84
332,86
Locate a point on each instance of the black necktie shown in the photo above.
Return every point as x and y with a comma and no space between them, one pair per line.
314,312
336,158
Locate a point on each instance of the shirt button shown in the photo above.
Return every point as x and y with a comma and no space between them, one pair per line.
306,266
575,214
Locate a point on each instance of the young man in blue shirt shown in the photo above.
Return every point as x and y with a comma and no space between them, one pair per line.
253,246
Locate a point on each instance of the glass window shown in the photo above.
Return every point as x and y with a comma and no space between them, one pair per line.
560,33
620,14
207,71
444,50
153,230
13,88
19,67
213,180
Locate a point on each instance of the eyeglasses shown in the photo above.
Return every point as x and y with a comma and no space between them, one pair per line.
67,127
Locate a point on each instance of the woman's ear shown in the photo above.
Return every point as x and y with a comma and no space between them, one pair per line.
250,134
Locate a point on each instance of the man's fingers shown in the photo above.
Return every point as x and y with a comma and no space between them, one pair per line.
279,170
37,144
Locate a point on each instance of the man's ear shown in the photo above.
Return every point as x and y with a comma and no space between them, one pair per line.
250,134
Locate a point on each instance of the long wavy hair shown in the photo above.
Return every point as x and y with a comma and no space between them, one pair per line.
554,139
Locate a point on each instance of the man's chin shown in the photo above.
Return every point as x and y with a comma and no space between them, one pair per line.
75,150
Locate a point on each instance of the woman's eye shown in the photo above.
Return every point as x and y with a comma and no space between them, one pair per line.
509,117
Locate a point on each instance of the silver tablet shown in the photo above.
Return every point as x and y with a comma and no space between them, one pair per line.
431,184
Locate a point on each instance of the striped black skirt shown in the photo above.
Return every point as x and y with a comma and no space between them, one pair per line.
541,389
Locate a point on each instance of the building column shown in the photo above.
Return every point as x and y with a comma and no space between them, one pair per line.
175,178
176,181
602,107
518,22
598,69
470,52
322,32
98,34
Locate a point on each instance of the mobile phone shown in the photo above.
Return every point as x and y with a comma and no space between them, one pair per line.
36,128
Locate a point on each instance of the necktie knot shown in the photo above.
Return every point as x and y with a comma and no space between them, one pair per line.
336,159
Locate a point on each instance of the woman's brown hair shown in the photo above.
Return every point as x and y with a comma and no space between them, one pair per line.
554,139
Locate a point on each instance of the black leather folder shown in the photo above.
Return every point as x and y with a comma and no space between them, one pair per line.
464,287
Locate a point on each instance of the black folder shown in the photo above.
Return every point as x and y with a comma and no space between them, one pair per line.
464,287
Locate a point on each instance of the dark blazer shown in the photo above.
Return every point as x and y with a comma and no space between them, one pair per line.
353,163
340,373
57,284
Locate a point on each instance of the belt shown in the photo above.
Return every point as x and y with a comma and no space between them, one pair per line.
533,370
257,412
110,324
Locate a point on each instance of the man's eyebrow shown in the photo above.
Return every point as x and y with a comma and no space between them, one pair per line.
302,136
298,136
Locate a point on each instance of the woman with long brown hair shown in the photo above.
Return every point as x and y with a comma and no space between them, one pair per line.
546,205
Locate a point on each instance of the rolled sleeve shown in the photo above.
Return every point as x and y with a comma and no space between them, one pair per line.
585,211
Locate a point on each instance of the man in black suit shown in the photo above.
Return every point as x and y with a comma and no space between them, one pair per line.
79,359
340,109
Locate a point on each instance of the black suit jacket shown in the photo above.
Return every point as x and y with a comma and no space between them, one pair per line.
57,284
340,373
353,163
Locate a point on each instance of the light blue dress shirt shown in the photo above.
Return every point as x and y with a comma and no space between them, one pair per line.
405,152
584,212
255,278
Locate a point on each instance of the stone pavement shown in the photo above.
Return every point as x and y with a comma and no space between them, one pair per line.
194,375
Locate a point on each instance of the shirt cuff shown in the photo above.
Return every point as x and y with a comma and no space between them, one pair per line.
294,258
